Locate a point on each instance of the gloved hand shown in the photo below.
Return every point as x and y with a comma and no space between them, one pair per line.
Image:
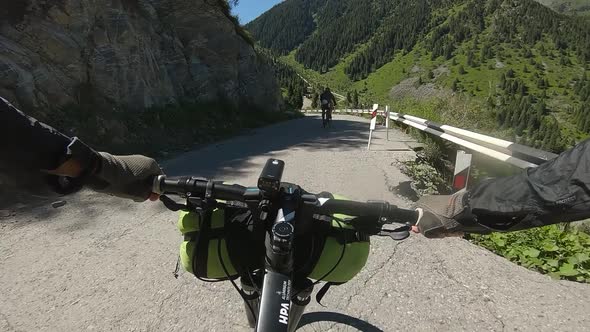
438,215
125,176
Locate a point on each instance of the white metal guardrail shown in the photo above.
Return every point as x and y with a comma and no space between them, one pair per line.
516,154
347,111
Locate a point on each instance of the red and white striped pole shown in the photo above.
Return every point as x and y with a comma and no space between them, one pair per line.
372,125
462,168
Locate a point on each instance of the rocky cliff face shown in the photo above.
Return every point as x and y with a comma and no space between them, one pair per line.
129,53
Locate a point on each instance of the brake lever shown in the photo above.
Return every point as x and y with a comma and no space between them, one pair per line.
397,234
171,204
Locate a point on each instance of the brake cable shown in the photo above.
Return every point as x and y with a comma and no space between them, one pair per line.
318,299
233,282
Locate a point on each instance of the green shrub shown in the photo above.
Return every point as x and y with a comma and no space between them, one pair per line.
426,179
551,250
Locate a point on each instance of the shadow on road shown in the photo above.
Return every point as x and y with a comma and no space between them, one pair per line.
225,158
334,317
230,157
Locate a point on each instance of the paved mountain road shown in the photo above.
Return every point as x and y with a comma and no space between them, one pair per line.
104,264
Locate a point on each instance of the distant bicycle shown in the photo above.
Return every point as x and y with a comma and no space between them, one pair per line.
328,103
327,113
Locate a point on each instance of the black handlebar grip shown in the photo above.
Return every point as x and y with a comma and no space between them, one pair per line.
370,209
403,216
353,208
197,187
229,192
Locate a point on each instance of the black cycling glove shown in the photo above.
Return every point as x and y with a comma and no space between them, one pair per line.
443,215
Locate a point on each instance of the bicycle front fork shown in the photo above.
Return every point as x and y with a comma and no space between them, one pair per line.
298,302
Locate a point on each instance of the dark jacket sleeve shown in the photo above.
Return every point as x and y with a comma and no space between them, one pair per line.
27,147
28,144
556,191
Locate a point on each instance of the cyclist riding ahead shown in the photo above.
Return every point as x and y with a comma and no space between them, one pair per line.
328,103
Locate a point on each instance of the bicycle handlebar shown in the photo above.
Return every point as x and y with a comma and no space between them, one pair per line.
283,202
191,186
198,187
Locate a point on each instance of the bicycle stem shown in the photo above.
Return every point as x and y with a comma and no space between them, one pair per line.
277,285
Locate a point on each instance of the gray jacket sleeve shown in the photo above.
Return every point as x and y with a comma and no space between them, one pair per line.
556,191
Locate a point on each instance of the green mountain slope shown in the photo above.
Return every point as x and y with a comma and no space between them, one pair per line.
519,61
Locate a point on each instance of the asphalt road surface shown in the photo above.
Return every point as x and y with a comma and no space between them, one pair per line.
104,264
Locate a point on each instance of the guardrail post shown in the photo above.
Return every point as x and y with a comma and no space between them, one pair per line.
462,168
387,120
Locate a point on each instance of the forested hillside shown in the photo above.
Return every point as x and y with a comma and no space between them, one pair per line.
522,62
286,25
292,86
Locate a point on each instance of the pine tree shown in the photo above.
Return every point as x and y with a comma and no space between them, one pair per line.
541,108
449,51
531,123
500,115
503,82
571,142
542,50
470,60
355,99
522,89
418,82
510,73
520,128
546,143
455,85
554,140
461,70
586,127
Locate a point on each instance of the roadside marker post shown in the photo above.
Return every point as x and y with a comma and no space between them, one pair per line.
387,120
462,168
373,124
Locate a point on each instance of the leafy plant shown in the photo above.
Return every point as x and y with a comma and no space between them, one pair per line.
426,179
559,253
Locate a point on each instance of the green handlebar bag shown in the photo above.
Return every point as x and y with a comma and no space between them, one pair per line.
222,243
204,250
